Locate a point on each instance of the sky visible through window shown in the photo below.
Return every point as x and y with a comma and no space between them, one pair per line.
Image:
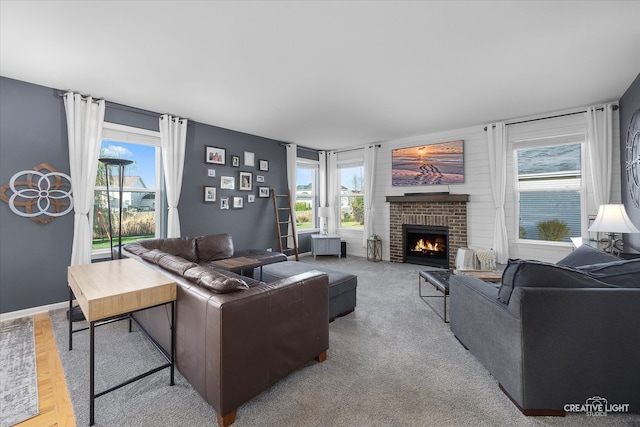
143,157
304,176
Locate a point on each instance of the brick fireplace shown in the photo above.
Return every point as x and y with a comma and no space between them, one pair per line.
432,209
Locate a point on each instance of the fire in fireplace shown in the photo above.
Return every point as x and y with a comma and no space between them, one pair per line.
426,245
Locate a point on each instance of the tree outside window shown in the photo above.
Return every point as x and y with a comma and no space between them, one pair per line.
352,197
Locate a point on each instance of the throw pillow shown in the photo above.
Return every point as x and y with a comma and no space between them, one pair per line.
214,280
520,273
621,273
214,247
585,255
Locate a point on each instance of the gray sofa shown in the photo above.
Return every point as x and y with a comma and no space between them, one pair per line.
554,335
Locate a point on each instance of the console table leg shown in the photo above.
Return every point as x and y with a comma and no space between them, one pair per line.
70,322
91,372
173,340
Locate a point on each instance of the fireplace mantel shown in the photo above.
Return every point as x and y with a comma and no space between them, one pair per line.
428,197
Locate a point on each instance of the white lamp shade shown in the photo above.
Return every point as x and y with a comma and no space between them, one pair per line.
613,219
324,212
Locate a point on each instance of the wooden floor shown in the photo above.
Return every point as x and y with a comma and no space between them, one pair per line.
53,396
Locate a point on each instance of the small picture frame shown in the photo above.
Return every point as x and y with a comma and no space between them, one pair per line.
264,165
215,155
235,161
263,191
224,203
249,159
211,173
209,194
251,198
246,179
259,178
227,183
238,202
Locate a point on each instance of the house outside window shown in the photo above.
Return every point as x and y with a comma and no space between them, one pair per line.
351,195
550,189
141,189
307,190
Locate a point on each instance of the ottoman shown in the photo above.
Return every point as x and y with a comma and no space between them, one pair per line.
342,286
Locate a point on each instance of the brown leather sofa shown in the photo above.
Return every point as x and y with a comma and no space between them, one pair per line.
235,336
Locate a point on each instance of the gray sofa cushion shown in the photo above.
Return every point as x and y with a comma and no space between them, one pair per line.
585,255
214,280
214,247
524,273
624,273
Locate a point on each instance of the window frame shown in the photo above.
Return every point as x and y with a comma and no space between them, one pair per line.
315,197
581,188
140,136
346,164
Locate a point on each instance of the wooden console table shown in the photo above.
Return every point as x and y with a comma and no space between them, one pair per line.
113,290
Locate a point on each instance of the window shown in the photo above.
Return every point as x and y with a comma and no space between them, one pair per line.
141,193
351,196
550,189
306,194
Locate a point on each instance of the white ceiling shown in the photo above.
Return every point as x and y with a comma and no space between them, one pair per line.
329,74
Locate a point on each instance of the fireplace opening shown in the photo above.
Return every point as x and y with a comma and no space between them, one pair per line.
426,245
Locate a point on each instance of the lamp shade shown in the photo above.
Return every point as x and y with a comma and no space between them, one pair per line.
613,219
324,212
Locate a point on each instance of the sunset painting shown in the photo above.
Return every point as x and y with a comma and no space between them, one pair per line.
432,164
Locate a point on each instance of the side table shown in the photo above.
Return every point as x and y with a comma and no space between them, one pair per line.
325,245
113,290
239,265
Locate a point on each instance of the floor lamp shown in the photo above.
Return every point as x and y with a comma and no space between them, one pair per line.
120,163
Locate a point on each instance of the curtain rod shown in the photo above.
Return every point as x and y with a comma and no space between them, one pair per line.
60,93
354,149
615,107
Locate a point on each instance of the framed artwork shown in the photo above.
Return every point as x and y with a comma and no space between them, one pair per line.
211,173
235,161
227,183
249,158
245,181
264,165
238,202
431,164
263,191
251,198
259,178
209,194
224,203
215,155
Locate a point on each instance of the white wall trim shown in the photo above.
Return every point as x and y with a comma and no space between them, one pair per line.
33,310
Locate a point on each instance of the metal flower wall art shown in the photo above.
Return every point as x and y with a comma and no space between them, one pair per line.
41,194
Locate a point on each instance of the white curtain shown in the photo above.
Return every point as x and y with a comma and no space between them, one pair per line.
333,193
85,118
497,144
369,177
322,178
600,143
173,139
292,169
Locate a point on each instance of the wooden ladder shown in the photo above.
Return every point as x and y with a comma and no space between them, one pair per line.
284,205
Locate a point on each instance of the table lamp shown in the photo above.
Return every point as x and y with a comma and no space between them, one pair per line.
613,219
324,212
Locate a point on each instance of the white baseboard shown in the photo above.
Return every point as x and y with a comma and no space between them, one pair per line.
31,311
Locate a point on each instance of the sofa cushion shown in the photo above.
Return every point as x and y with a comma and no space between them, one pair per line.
214,280
135,248
624,273
175,264
585,255
214,247
184,247
524,273
153,255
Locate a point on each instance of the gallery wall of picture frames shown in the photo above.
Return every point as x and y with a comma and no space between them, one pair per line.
238,181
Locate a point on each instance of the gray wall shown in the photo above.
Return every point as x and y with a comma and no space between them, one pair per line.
629,103
34,257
